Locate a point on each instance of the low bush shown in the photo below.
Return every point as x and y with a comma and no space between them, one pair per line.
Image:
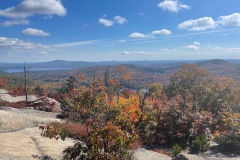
200,144
229,143
72,130
21,104
176,149
174,124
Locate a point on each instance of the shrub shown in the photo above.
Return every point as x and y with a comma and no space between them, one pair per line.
174,124
176,149
200,144
71,129
109,119
229,143
21,104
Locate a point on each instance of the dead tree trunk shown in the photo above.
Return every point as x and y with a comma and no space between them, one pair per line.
25,78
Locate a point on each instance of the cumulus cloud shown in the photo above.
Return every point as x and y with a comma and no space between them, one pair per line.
198,24
109,23
14,22
12,43
28,8
138,35
173,5
120,20
205,23
34,32
164,32
194,46
230,20
105,22
122,41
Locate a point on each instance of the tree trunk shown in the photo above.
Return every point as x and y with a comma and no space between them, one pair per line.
25,84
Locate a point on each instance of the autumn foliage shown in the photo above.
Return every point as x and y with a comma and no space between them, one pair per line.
109,117
3,82
193,104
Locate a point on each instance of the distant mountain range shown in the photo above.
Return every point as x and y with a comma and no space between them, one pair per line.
151,71
79,64
222,68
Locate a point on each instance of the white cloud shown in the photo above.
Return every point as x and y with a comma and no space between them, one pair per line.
198,24
12,43
205,23
172,5
120,20
14,22
73,44
167,50
136,53
34,32
122,41
105,22
230,20
138,35
194,46
197,43
164,32
28,8
109,23
184,6
125,53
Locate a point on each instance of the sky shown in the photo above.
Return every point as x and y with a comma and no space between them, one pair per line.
118,30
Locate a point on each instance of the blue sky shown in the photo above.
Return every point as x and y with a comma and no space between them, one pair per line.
121,30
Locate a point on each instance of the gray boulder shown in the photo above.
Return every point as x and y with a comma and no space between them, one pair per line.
184,156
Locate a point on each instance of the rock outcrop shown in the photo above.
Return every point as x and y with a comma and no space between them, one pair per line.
143,154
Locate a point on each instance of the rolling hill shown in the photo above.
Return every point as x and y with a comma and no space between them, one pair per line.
142,71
